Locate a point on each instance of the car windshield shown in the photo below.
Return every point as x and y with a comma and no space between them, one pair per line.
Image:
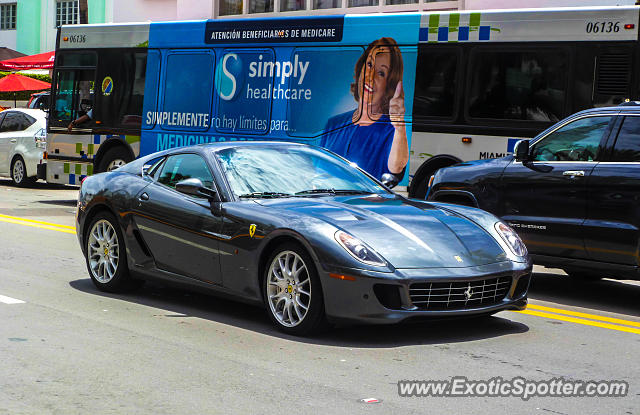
279,171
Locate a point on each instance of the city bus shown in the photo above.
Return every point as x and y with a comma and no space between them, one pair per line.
404,93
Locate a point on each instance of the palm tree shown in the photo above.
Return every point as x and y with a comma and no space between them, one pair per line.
84,11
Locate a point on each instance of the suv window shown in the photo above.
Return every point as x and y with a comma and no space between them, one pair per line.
627,147
576,141
185,166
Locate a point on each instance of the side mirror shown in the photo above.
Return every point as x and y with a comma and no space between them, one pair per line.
521,150
194,187
389,180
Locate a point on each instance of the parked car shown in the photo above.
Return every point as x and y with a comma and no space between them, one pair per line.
299,230
39,100
22,144
572,193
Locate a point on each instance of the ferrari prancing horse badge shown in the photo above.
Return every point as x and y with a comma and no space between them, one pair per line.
252,230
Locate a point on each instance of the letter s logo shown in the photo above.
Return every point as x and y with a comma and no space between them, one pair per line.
228,74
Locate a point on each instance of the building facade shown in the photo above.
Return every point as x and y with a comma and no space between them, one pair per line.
29,26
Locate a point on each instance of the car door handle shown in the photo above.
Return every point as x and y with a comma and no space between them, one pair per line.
573,173
144,197
13,140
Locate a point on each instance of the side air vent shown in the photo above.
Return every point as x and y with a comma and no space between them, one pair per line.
613,74
141,242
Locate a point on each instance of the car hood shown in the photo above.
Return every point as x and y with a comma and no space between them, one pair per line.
408,234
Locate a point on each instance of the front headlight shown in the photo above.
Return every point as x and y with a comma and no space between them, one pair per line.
358,249
511,238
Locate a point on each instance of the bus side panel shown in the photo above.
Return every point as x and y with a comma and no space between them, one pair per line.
285,90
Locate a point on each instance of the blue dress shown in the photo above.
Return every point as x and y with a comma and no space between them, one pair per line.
368,146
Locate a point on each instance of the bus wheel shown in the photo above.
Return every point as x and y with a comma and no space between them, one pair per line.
114,158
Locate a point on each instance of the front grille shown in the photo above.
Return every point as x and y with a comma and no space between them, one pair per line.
459,295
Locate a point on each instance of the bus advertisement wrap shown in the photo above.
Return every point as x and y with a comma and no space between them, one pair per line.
352,94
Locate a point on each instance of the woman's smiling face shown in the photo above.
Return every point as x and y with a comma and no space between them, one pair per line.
372,82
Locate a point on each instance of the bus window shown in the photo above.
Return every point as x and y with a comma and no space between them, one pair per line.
120,89
436,82
187,90
518,85
73,95
324,98
244,105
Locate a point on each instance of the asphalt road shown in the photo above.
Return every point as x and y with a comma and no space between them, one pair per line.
67,348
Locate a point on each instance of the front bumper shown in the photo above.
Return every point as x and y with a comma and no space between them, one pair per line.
361,300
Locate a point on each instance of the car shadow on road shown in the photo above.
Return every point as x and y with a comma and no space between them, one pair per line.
605,295
184,304
70,202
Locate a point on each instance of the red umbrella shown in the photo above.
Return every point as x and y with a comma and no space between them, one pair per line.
14,82
39,61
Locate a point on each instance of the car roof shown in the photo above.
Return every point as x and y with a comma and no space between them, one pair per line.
629,106
36,113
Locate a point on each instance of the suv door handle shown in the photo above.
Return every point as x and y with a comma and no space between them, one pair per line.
573,173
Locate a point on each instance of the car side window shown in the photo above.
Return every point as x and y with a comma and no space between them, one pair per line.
185,166
12,122
576,141
627,147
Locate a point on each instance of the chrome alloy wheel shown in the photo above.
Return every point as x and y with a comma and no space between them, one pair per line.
18,171
114,164
289,289
102,251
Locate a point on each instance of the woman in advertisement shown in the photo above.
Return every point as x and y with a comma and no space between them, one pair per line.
374,134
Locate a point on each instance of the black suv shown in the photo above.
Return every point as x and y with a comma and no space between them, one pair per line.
572,192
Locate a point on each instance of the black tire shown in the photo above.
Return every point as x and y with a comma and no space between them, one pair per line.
583,275
21,180
112,155
120,279
314,319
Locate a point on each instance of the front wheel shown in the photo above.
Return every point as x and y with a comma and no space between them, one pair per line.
292,291
106,256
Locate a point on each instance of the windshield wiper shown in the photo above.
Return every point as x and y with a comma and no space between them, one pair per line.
264,195
333,192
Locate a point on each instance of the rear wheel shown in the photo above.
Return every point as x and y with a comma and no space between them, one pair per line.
19,173
114,158
292,291
106,256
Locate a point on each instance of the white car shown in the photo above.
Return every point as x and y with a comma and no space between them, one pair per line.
22,144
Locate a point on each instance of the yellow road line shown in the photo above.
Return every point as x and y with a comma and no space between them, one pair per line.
580,321
37,221
585,315
35,224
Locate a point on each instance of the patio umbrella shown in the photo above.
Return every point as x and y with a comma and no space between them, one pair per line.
14,82
39,61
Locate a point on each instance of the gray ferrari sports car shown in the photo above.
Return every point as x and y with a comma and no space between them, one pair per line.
300,230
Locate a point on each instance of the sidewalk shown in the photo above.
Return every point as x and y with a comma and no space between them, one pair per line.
10,104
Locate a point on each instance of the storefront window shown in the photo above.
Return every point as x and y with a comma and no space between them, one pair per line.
291,5
261,6
327,4
230,7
